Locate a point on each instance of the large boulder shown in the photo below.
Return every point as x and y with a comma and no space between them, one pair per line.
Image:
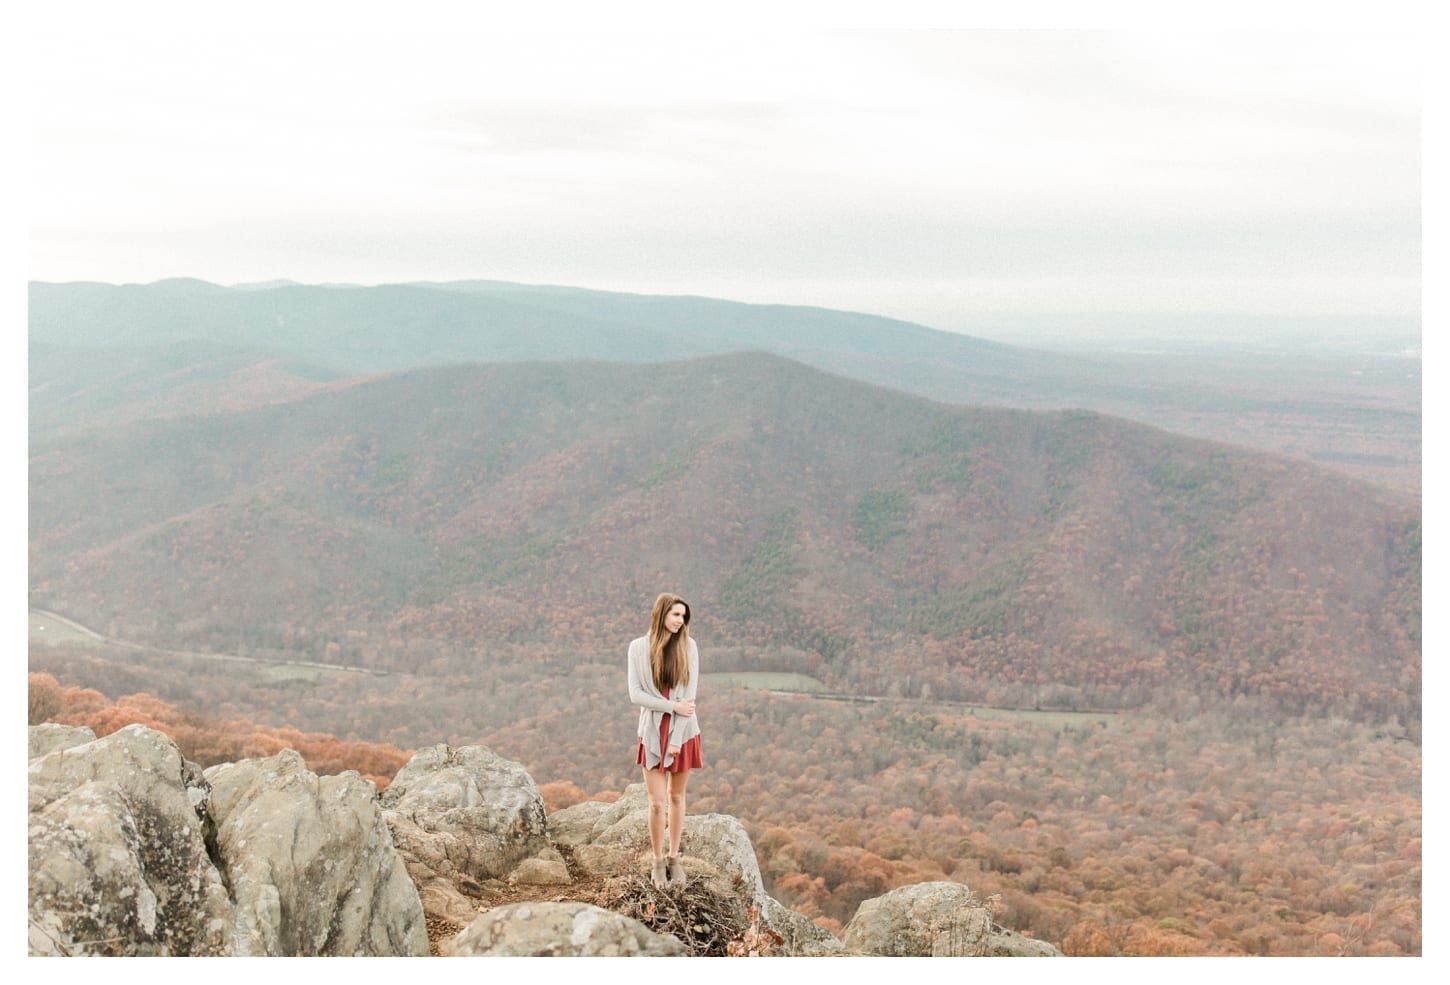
935,919
118,855
464,811
463,817
587,821
603,838
561,930
311,863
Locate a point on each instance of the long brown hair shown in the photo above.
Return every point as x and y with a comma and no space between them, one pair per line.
669,652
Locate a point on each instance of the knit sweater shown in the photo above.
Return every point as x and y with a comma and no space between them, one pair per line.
653,705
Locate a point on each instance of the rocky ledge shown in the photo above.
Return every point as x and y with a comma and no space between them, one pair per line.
136,851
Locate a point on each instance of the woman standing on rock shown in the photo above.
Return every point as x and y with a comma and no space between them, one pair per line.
664,668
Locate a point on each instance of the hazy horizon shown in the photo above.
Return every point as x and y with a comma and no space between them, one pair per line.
1103,331
1023,184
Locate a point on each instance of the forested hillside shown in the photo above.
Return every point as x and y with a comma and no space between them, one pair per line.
881,542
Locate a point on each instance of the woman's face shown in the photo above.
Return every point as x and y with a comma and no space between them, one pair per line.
675,618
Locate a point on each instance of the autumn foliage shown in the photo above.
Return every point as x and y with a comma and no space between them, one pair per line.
1191,829
1216,830
206,742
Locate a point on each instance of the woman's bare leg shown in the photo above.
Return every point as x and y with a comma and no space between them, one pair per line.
677,809
656,786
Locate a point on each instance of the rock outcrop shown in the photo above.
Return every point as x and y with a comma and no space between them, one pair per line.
608,838
935,919
463,816
118,855
311,863
135,851
562,930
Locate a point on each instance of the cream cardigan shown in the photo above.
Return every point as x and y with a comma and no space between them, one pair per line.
653,705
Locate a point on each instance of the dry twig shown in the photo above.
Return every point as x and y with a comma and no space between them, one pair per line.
706,921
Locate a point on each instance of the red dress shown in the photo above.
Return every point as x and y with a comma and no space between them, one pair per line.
689,757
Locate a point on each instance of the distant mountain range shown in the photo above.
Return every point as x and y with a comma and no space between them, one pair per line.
255,496
178,346
360,330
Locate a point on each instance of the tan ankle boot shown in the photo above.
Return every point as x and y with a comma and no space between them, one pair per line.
657,874
676,870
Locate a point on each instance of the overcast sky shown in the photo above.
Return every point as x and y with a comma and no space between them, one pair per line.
942,176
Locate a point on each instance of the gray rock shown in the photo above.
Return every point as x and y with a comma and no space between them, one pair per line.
464,811
446,904
722,842
595,822
462,817
540,872
934,919
577,827
606,860
49,737
118,857
311,863
561,930
1005,943
714,846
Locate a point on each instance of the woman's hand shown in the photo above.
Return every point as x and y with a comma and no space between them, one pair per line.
673,751
685,708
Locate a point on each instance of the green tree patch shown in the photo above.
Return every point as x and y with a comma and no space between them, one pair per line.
882,516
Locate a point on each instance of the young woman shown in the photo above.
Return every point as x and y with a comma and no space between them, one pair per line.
664,668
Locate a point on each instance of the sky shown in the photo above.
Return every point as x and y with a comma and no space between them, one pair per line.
957,177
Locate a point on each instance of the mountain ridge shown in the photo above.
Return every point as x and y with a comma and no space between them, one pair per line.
809,513
1358,413
469,321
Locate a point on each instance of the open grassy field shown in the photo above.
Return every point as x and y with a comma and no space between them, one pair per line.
49,629
1048,719
805,684
46,627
